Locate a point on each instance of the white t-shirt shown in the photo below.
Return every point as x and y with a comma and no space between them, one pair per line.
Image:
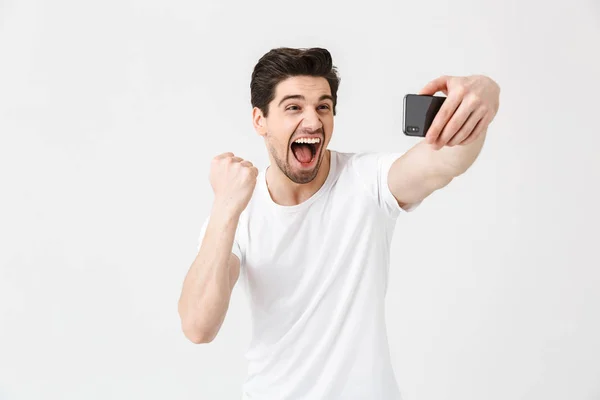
316,277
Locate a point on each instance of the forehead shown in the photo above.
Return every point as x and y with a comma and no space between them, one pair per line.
308,86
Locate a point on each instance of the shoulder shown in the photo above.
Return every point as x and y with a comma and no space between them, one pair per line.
369,171
365,162
348,160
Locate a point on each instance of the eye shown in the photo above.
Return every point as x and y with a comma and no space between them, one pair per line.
291,108
326,106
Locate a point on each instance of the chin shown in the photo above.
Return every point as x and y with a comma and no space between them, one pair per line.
301,173
306,173
296,170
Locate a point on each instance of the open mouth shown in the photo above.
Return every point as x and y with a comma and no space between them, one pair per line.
305,150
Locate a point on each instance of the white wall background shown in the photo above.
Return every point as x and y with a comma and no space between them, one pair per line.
110,112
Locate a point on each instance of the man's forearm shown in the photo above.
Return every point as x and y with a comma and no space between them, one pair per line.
206,291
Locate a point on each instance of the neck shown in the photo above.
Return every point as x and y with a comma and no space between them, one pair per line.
285,192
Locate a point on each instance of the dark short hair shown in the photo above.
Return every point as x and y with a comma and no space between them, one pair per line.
284,62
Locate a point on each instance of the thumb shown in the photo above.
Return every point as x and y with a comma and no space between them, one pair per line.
437,85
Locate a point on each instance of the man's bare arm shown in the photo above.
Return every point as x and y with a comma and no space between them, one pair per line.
208,285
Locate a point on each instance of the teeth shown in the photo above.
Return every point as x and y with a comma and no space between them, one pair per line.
308,140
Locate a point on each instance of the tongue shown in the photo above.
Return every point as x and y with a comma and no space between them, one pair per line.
302,152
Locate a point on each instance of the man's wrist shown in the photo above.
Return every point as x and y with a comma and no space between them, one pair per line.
224,212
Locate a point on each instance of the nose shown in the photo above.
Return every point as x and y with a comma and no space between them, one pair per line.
311,121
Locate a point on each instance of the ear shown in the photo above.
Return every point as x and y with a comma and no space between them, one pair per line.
259,121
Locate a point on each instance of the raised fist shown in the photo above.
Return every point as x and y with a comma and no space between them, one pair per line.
233,180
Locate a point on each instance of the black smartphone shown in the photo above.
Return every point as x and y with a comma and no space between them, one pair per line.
419,112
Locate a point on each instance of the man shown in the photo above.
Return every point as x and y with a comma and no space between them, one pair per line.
311,233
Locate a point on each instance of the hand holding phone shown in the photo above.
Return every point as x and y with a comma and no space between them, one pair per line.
419,112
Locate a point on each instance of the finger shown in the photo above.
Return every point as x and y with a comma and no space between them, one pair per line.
481,125
462,113
467,128
436,85
237,159
470,139
220,156
246,163
442,117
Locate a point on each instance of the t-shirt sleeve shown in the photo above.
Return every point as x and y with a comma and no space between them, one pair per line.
236,248
373,169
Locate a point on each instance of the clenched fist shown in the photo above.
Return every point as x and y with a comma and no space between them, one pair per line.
233,180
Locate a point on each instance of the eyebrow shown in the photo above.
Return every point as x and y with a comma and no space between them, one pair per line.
300,97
